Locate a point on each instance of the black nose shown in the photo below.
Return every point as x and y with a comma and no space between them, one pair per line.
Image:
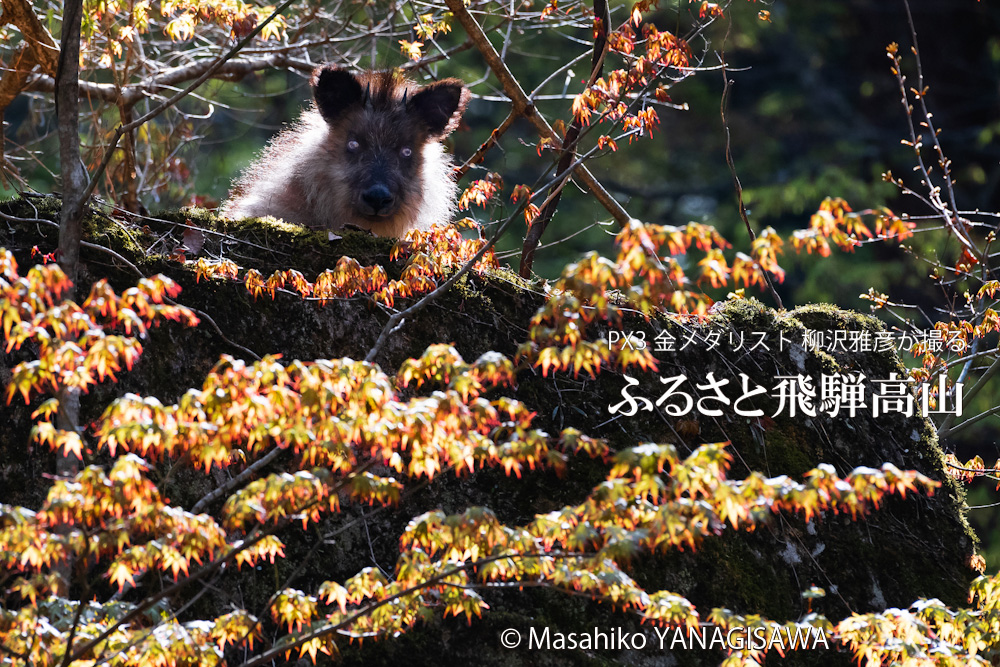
378,198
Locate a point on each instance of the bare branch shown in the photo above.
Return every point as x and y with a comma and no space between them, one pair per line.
484,148
524,107
548,209
399,317
208,73
39,48
250,471
738,187
325,629
727,84
166,80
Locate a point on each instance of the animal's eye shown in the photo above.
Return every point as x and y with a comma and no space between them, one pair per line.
353,146
406,151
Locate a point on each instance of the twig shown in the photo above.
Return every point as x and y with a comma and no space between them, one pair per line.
977,471
492,141
74,628
951,219
398,318
944,162
511,253
946,428
944,433
548,209
430,60
727,83
236,481
524,107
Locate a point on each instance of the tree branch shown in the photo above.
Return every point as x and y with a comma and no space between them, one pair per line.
398,318
524,107
167,79
736,179
236,481
538,225
257,534
484,148
329,628
38,48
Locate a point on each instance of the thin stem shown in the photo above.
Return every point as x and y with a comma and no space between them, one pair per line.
727,84
399,317
548,209
524,107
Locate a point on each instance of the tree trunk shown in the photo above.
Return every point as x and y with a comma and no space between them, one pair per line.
74,177
130,184
74,185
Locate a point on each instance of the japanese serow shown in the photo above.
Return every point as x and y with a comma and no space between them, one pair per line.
367,154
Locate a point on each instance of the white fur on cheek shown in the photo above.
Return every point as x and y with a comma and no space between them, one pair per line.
298,178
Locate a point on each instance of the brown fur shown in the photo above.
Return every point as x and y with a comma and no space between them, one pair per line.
345,161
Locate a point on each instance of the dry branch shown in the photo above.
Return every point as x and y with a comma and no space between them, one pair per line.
538,225
484,148
524,107
38,49
167,80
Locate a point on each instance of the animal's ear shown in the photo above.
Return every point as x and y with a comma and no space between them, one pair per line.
335,90
440,106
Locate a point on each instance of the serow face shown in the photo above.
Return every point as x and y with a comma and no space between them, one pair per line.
379,125
381,169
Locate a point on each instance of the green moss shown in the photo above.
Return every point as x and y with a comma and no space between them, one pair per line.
828,316
746,313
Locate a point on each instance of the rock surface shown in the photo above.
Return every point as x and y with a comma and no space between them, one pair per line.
912,548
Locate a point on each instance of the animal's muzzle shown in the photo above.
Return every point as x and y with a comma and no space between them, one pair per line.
378,201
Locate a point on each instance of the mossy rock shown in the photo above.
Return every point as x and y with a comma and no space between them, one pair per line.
912,548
